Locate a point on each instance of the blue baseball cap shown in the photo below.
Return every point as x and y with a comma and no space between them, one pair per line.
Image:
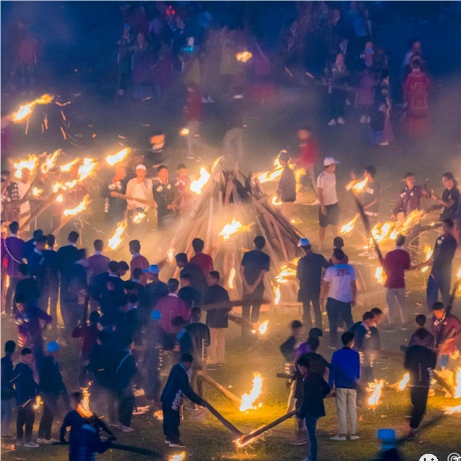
52,346
152,269
303,243
156,315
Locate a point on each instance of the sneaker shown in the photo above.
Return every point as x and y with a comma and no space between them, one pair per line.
8,436
341,121
177,445
339,437
49,441
363,119
220,364
31,445
354,437
40,440
332,122
127,429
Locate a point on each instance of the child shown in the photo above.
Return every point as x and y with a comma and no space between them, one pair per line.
26,391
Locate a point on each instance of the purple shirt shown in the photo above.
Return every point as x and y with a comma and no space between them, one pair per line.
97,264
303,349
13,252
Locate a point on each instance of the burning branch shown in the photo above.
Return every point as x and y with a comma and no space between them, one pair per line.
197,185
116,239
25,111
233,228
248,400
118,157
375,389
30,163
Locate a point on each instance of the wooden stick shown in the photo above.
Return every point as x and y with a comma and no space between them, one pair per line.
223,420
46,204
220,388
62,223
250,437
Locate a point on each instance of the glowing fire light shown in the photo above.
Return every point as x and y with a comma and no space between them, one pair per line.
86,169
25,111
267,176
184,132
277,296
233,228
59,198
68,166
38,402
30,163
276,201
380,275
357,186
285,273
347,228
36,192
179,457
248,400
232,278
239,444
403,382
197,185
375,389
83,408
118,157
458,384
7,282
139,217
244,56
116,239
50,161
79,208
428,251
458,274
263,327
170,255
299,173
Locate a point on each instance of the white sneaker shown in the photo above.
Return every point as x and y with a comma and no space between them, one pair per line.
127,429
49,441
354,437
339,437
341,121
332,122
177,445
363,119
40,440
31,445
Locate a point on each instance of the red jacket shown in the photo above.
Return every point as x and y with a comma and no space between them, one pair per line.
446,332
204,261
141,262
171,306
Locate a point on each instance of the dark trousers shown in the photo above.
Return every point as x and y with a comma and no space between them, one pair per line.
308,299
153,384
50,406
337,103
418,396
125,409
438,282
252,308
71,313
171,422
25,417
311,425
10,294
103,401
335,310
53,294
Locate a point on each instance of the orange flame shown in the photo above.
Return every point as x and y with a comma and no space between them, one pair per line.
59,198
267,176
240,444
248,400
38,402
276,201
79,208
232,278
277,295
375,389
83,408
428,253
50,161
402,384
25,111
30,163
36,192
244,56
116,239
285,273
118,157
357,186
380,275
86,169
233,228
184,132
139,217
348,228
179,457
197,185
68,166
262,329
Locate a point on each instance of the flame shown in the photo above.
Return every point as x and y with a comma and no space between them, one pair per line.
215,164
263,327
38,402
233,228
68,166
30,163
428,253
267,176
139,217
232,278
347,228
375,389
118,157
299,173
79,208
277,295
244,56
402,384
357,186
36,192
59,198
184,132
197,185
25,111
50,161
239,444
170,255
83,408
276,201
285,272
158,414
7,282
179,457
458,384
380,275
86,169
458,274
116,239
248,400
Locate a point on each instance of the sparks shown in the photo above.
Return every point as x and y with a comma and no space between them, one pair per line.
30,163
118,157
244,56
348,228
79,208
139,217
86,169
357,186
277,295
375,389
50,161
248,400
233,228
25,111
197,185
232,278
116,239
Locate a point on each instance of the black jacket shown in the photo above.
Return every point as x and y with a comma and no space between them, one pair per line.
125,370
420,362
7,376
24,382
67,256
288,349
190,296
315,389
50,377
216,318
200,334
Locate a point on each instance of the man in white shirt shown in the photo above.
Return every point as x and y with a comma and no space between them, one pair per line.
140,188
329,207
340,287
23,187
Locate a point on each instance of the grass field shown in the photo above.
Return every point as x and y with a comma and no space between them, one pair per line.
209,440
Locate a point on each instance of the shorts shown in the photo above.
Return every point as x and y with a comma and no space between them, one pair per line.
332,216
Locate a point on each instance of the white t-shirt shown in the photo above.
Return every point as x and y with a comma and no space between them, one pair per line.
340,278
142,190
327,182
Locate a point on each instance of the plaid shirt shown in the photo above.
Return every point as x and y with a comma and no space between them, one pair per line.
12,192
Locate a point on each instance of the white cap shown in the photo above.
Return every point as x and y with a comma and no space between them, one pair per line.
303,243
141,167
329,161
